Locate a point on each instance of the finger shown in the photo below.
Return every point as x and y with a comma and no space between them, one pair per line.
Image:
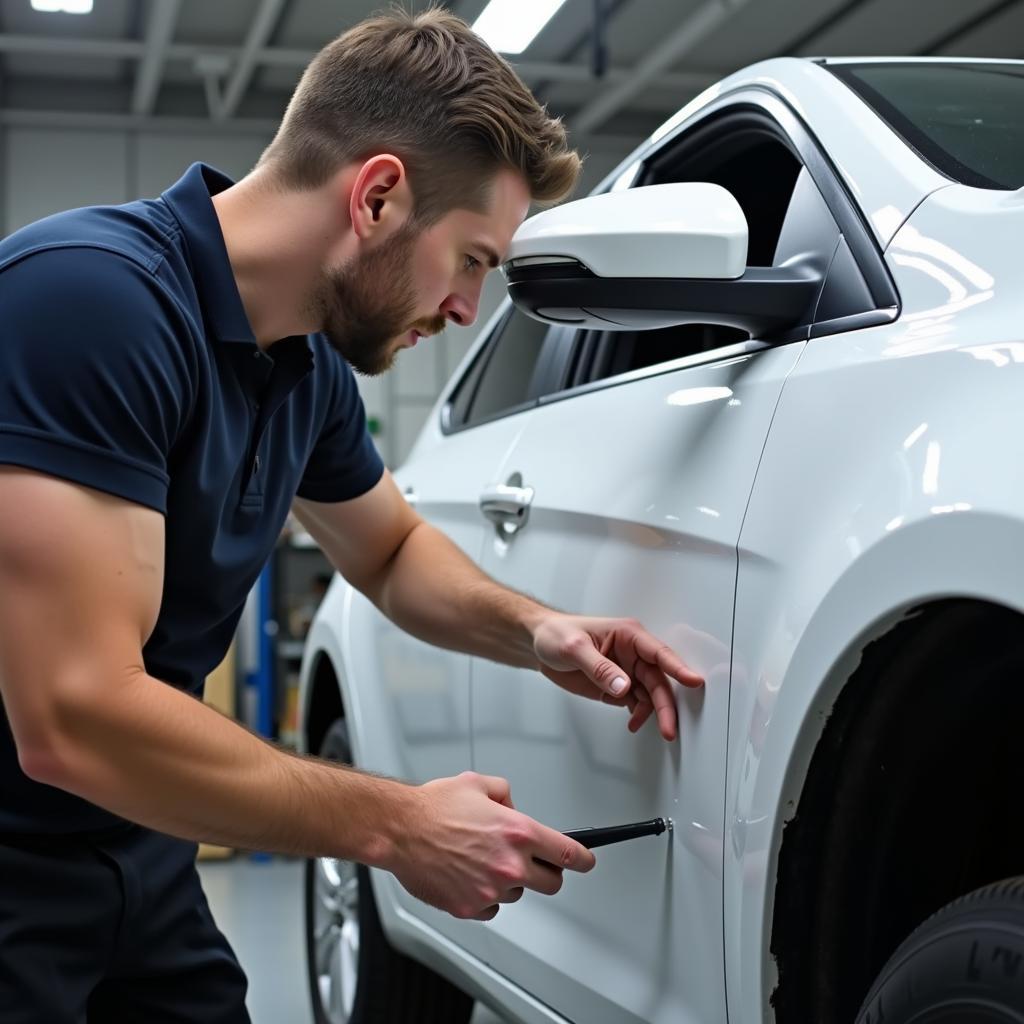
512,895
489,914
543,877
497,789
601,671
560,851
637,719
662,699
639,715
654,652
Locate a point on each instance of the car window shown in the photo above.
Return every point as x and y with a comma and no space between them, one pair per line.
500,378
761,171
964,119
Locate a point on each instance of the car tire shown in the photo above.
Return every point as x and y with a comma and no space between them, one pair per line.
355,976
964,965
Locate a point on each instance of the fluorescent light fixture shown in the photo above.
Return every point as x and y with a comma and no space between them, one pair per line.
509,26
63,6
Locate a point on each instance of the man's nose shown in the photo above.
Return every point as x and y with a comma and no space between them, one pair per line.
461,309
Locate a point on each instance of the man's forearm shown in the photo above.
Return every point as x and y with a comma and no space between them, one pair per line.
159,757
432,590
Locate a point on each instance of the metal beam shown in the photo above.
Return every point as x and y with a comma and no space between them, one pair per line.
259,126
255,41
71,47
686,36
159,32
83,120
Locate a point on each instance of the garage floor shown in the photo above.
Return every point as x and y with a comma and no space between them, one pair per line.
258,905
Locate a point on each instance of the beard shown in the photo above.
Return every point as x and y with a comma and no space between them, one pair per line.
365,305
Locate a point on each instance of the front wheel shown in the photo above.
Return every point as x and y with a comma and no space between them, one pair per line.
355,976
964,965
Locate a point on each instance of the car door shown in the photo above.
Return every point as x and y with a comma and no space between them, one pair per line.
633,476
420,693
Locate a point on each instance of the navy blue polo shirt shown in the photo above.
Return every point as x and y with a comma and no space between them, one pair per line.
127,364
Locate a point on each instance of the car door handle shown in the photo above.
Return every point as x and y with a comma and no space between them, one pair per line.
508,507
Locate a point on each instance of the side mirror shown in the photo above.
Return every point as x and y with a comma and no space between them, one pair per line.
649,257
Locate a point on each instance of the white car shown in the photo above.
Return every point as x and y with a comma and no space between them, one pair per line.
813,489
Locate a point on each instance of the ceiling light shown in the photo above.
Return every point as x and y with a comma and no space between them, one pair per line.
509,26
63,6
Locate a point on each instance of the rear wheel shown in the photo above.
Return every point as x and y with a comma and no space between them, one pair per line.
355,976
964,965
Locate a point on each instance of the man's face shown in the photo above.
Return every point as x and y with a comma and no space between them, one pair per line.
415,282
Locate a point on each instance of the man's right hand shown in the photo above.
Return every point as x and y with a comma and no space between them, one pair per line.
465,849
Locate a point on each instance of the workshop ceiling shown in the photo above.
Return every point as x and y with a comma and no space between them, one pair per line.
231,64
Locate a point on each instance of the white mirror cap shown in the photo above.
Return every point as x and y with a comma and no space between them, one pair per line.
684,229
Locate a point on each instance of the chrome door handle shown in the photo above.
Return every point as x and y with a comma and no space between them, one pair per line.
507,506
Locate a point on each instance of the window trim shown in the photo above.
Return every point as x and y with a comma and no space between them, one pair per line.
727,354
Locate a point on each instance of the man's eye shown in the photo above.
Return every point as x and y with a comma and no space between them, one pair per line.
471,262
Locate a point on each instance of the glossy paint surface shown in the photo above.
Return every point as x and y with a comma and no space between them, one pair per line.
892,475
682,229
635,516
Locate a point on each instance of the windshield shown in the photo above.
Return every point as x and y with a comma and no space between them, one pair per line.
967,120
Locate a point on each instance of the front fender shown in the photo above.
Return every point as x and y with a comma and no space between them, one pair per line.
785,684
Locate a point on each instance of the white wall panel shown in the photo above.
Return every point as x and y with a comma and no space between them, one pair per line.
48,170
162,159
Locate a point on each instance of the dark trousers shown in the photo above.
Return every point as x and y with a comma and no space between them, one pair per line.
111,930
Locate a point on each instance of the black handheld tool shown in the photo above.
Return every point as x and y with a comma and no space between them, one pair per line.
591,837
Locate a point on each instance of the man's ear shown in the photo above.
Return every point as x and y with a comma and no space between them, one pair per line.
381,201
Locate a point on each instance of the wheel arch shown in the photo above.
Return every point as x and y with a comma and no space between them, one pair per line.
877,796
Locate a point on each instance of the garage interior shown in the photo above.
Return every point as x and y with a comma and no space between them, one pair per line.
110,100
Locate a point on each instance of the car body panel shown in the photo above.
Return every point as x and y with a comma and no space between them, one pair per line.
662,549
893,475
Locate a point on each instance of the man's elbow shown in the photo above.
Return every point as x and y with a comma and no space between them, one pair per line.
43,763
48,727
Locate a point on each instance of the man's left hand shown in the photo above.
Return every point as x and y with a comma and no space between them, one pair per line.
616,661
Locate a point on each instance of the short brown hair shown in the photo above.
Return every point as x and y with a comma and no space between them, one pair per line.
429,89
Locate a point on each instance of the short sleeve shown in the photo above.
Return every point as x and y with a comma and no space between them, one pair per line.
96,380
344,462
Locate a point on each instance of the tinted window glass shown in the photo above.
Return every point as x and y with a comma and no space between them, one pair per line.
964,119
507,371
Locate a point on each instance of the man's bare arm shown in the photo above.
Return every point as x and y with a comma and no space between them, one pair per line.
81,577
426,585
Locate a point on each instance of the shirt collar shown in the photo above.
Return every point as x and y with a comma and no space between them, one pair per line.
190,200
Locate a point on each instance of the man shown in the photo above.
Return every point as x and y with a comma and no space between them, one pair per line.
173,373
